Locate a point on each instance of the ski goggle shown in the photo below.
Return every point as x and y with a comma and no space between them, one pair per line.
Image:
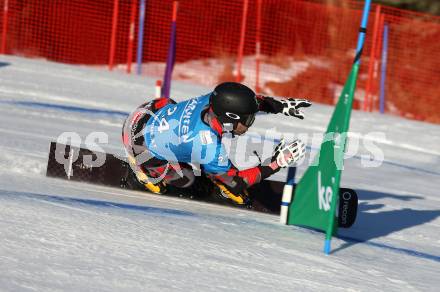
247,120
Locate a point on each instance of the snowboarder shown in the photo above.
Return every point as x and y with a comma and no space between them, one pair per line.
167,141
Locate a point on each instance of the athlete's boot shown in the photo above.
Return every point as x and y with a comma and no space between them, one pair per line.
240,199
156,188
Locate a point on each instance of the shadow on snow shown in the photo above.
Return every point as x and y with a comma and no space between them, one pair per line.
95,203
4,64
372,223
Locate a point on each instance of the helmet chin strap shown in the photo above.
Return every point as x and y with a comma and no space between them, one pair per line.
228,127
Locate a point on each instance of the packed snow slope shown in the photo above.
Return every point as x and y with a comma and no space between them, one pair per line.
57,235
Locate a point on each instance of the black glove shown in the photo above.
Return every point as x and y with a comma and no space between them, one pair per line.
270,105
289,106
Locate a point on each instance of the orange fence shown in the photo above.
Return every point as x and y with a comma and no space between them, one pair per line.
306,48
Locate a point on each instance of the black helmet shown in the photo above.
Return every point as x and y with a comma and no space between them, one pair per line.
234,102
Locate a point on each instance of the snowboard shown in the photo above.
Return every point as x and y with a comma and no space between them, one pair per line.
96,167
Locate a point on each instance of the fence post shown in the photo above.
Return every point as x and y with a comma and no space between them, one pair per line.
140,37
158,89
371,61
131,35
375,80
258,48
242,39
5,26
113,37
384,68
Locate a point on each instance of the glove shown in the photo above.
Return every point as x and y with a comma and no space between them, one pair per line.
283,156
270,105
288,154
291,107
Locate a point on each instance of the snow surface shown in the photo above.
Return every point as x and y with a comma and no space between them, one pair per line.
66,236
192,70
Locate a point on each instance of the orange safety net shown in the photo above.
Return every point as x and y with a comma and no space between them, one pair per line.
307,47
413,65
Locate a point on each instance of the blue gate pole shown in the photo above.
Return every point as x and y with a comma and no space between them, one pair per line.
357,61
384,68
362,32
286,199
140,37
